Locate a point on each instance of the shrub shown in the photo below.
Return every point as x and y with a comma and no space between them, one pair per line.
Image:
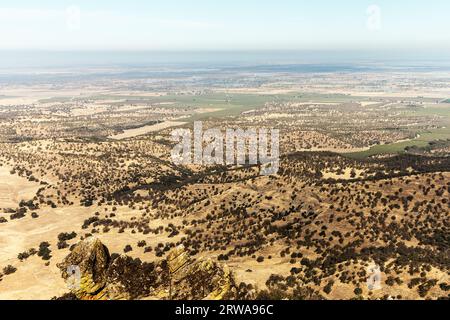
44,251
23,256
64,236
328,287
9,270
142,243
18,215
62,245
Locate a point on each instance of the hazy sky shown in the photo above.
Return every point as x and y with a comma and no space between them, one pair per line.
224,25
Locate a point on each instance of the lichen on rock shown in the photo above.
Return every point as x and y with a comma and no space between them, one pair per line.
103,276
89,261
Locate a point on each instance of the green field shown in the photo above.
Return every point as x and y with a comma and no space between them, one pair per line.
442,133
230,104
235,103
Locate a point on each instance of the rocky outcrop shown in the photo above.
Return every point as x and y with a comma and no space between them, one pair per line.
196,279
85,269
93,274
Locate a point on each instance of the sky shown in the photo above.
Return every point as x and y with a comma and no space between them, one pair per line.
224,25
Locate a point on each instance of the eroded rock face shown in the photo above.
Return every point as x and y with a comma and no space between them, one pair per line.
105,276
196,279
84,269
